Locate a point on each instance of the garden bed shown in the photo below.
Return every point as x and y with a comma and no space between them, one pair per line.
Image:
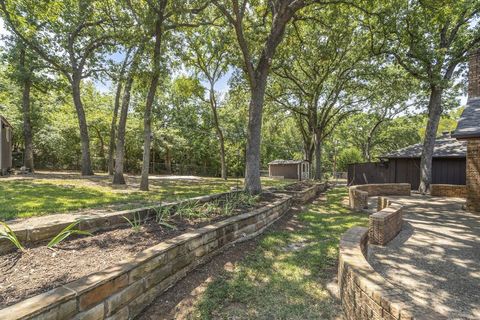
40,269
304,191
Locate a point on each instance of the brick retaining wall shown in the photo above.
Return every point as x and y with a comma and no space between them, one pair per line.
448,190
358,195
305,195
364,293
124,290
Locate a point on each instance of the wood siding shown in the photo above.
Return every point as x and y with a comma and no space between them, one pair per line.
444,171
288,171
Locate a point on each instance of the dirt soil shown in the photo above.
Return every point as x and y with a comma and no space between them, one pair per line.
40,269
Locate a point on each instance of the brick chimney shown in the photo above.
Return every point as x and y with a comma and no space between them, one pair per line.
474,75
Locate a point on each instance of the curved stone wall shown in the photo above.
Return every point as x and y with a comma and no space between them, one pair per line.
364,293
358,195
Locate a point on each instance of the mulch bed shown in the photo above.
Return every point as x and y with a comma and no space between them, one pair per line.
40,269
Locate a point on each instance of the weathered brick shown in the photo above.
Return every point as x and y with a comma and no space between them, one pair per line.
120,299
101,292
95,313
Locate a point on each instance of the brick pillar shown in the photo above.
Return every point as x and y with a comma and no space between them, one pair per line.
473,175
474,75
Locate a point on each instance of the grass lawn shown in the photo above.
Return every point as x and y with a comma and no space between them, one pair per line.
58,193
288,275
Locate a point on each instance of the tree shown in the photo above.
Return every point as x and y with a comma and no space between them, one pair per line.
118,177
23,65
257,56
430,40
157,20
208,49
116,107
71,37
320,78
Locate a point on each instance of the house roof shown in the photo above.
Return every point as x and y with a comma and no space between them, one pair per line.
469,124
280,161
445,147
2,118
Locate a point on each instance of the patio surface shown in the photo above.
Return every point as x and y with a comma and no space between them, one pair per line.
435,259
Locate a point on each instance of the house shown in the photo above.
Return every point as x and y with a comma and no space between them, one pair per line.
468,131
403,165
5,146
289,169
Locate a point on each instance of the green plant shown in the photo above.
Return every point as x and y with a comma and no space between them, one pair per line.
188,210
136,223
210,208
67,232
161,215
8,234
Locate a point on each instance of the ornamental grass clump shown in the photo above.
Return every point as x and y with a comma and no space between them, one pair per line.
135,223
8,234
67,232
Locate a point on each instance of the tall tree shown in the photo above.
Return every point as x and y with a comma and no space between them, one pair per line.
430,40
250,21
208,55
118,177
318,78
71,36
120,79
160,19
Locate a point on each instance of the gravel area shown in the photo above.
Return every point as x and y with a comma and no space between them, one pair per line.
436,257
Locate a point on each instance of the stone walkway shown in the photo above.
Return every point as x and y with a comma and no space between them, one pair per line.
436,257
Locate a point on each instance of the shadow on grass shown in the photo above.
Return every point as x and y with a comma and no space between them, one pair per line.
289,275
54,194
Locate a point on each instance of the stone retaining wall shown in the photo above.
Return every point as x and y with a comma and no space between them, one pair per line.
46,230
448,190
364,293
124,290
385,224
358,195
307,194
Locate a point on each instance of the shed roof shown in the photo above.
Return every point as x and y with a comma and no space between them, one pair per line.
469,124
445,147
280,161
2,118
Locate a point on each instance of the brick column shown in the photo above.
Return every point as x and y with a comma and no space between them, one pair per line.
473,175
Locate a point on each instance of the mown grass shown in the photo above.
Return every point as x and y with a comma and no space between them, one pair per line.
41,196
287,276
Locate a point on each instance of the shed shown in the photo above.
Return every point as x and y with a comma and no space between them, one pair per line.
5,146
403,165
289,169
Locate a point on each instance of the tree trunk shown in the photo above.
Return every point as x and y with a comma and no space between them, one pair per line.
147,117
318,157
221,140
86,163
118,177
254,135
111,147
27,124
168,160
116,108
434,113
